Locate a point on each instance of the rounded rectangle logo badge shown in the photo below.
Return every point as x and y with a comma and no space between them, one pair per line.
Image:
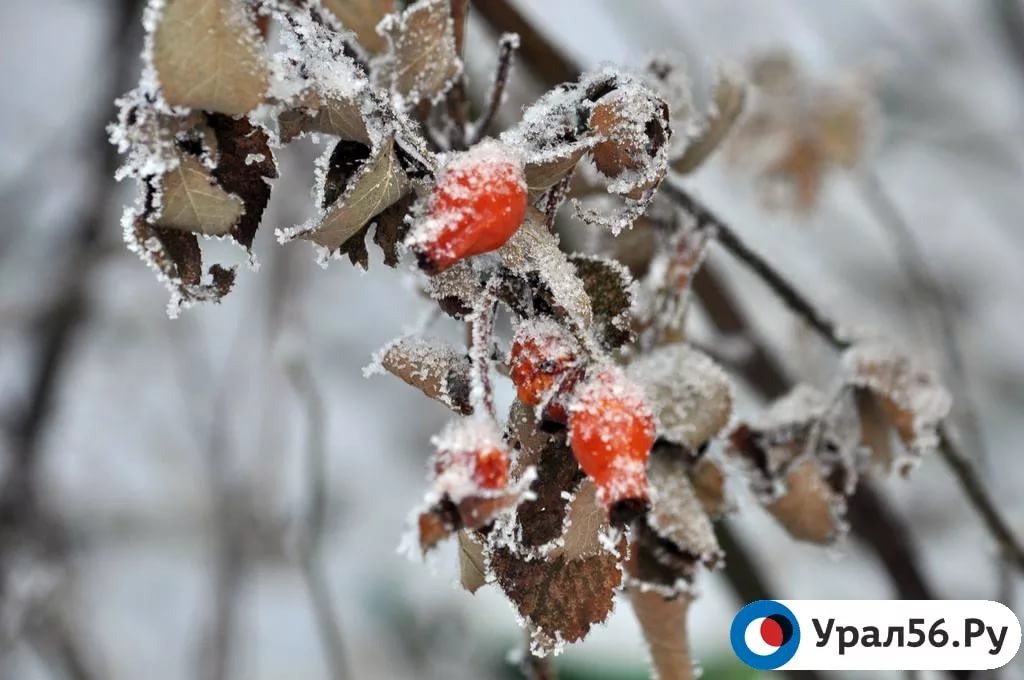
875,635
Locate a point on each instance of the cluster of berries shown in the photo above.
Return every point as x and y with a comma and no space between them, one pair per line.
477,204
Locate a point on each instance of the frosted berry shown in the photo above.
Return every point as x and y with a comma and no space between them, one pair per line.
543,365
611,432
471,457
479,201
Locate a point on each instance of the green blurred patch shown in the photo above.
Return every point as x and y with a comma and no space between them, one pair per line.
717,668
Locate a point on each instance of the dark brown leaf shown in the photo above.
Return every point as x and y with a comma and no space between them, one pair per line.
608,285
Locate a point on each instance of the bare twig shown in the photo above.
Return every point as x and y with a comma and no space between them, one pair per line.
536,667
456,100
311,538
927,287
507,45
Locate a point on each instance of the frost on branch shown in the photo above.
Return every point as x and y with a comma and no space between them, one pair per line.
802,459
421,62
207,54
905,397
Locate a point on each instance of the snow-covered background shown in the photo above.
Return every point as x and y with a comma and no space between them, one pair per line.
144,403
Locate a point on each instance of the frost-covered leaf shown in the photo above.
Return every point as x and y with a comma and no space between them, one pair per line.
438,370
361,17
560,599
677,515
472,563
609,286
421,59
547,167
727,104
533,255
633,123
193,201
708,478
662,317
540,520
244,164
586,525
690,394
912,398
341,117
176,258
208,54
379,182
664,625
656,564
802,460
808,508
456,288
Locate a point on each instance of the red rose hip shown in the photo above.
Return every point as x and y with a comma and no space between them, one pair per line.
611,432
479,201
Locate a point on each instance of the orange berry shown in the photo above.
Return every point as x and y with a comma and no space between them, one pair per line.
470,459
479,201
611,432
543,367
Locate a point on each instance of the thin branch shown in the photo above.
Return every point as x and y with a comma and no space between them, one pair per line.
456,100
507,46
311,540
791,297
967,475
927,287
536,667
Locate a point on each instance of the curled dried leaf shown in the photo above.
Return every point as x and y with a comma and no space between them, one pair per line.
472,562
208,54
727,104
339,116
532,255
912,399
809,509
609,286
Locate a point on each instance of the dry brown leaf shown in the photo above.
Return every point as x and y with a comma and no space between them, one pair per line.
379,183
663,622
609,286
729,97
336,116
809,509
361,17
533,251
209,55
178,260
677,515
541,520
422,59
708,478
544,169
244,164
587,519
561,598
438,370
192,201
913,400
876,430
472,564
